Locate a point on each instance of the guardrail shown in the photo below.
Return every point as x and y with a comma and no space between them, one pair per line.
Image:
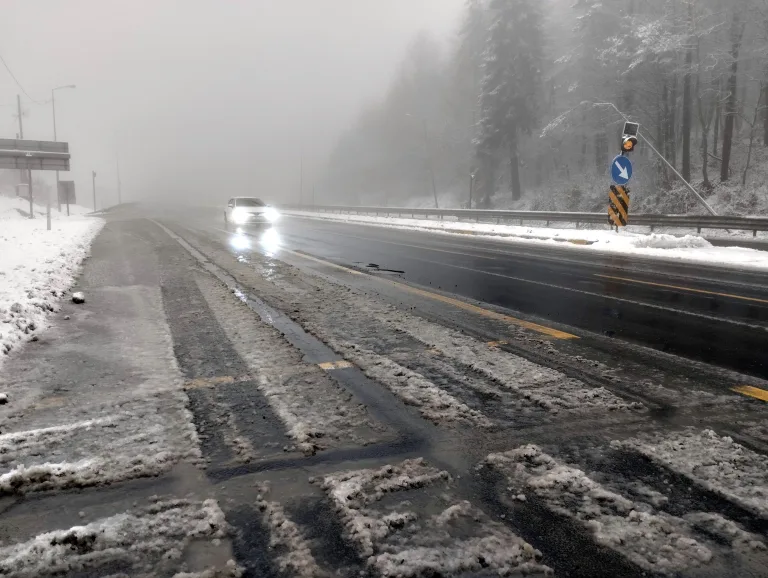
697,222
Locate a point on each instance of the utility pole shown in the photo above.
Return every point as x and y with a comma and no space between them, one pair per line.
21,171
21,123
53,108
119,186
471,186
301,180
429,162
58,196
94,189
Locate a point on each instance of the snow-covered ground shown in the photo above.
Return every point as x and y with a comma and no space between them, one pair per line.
691,248
37,266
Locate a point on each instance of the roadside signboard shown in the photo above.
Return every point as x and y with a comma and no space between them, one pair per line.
67,192
34,155
621,170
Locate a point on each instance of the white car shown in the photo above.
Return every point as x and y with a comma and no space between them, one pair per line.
242,211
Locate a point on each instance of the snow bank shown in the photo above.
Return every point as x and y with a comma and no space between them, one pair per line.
656,542
716,463
662,241
689,248
405,521
151,539
37,266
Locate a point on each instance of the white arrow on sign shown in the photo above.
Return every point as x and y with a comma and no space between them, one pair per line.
622,171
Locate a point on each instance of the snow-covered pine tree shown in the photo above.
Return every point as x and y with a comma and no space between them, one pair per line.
511,86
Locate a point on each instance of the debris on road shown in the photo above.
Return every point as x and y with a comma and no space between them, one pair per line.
78,297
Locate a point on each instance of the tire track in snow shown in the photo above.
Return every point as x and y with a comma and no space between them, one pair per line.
652,540
405,521
713,462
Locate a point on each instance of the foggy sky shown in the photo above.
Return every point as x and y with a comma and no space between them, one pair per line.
203,98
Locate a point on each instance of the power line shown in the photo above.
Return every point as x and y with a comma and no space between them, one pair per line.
16,80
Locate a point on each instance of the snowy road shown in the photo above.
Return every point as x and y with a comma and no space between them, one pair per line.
229,405
717,313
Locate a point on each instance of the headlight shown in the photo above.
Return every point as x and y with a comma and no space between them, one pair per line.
240,216
271,214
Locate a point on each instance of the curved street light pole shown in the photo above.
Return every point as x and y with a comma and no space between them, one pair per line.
653,148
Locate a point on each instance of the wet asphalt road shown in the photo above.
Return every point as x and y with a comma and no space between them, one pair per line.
717,315
255,351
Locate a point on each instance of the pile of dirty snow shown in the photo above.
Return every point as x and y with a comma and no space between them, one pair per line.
37,266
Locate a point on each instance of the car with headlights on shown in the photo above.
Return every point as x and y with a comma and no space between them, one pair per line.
244,211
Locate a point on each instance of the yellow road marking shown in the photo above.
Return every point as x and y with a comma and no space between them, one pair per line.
551,332
691,289
755,392
203,382
497,343
331,365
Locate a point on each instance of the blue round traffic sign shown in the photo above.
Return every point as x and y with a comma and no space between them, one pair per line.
621,170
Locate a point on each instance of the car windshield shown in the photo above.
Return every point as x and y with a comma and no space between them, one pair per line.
250,203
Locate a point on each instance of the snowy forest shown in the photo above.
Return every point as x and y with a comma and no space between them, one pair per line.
515,111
